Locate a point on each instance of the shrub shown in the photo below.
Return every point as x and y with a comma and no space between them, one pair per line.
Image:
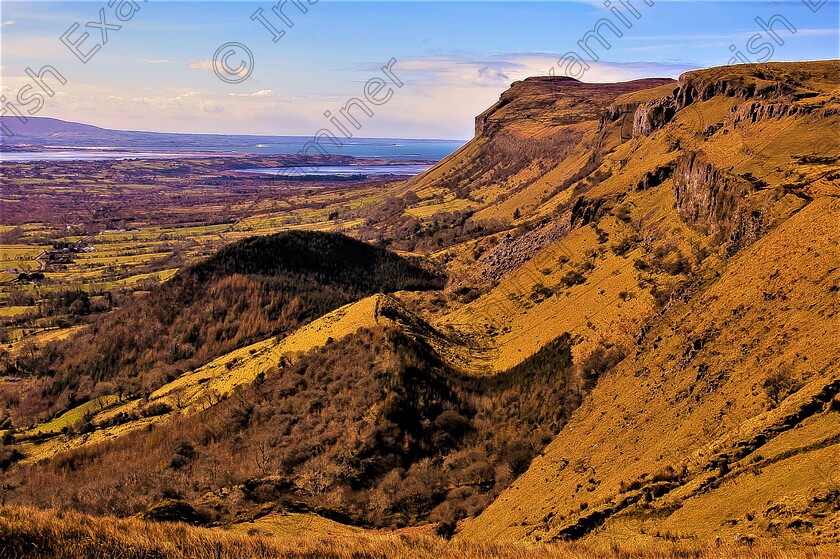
155,408
624,246
573,278
779,385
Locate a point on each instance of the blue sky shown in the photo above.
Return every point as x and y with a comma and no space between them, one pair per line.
454,58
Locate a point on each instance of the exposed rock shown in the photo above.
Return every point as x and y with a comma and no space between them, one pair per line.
705,194
552,100
653,115
757,111
540,89
655,177
512,252
695,87
481,120
748,227
586,211
710,197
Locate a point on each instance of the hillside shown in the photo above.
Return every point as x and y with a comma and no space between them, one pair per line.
47,535
727,185
725,419
635,344
250,290
371,429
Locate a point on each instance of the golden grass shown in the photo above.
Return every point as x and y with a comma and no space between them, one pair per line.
43,337
74,415
37,534
298,525
429,210
654,410
11,312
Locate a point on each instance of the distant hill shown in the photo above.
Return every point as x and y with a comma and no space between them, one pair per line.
44,131
51,127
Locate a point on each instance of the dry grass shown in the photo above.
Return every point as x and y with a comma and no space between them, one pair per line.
37,534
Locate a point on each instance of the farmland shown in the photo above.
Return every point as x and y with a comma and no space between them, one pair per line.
113,228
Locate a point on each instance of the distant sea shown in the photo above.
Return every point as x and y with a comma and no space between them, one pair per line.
375,148
344,170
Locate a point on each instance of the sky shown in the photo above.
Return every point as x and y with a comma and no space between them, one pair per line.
453,59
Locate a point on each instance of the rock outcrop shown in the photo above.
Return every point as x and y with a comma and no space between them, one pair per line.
705,194
764,83
653,115
714,199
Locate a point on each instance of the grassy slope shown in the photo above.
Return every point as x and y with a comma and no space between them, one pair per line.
41,535
556,117
672,405
594,310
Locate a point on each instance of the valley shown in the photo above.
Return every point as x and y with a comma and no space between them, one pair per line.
605,325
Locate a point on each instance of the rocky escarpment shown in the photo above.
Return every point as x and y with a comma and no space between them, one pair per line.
531,95
714,199
758,111
655,177
481,120
773,92
653,115
512,252
706,194
555,101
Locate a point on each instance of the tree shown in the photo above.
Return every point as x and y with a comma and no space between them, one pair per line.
779,385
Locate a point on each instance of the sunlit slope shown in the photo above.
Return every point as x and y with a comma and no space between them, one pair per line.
684,234
205,386
513,161
684,437
665,201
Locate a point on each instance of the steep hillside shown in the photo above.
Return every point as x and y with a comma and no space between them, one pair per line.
668,197
512,161
248,291
723,205
725,418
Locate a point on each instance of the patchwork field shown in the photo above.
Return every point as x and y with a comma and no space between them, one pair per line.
152,218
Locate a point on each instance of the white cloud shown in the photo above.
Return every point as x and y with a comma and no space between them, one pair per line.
204,65
452,71
260,93
211,66
9,22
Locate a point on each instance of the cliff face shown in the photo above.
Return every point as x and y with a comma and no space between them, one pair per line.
535,126
710,198
775,92
723,403
552,101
